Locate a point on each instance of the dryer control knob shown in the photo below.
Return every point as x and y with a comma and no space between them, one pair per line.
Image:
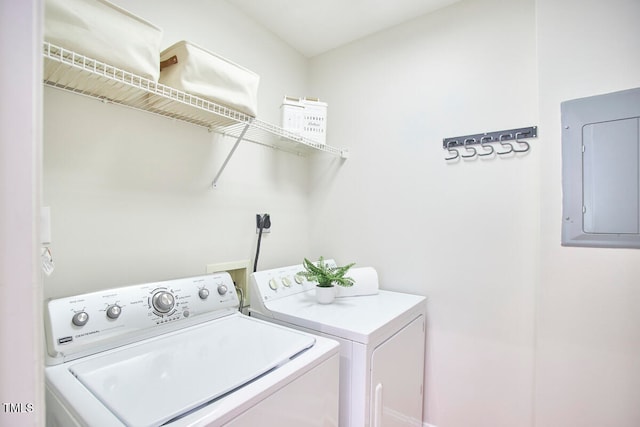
80,319
298,279
113,311
273,284
203,293
286,281
222,289
163,301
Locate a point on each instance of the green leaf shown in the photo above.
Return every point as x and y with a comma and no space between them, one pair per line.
326,275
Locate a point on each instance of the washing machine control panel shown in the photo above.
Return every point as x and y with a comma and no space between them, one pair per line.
269,285
79,324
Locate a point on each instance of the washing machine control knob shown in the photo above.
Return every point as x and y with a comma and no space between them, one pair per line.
203,293
163,301
80,318
273,284
222,289
286,282
298,279
114,311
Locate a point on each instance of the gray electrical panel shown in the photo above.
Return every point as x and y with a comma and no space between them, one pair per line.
601,170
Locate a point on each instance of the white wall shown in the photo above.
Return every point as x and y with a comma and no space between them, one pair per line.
130,192
588,322
482,239
21,355
465,233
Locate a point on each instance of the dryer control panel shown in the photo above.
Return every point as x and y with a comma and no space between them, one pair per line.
84,324
269,285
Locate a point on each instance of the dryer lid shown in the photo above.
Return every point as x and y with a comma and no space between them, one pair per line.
152,382
361,318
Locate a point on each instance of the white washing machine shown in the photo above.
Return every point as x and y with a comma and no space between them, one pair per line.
382,337
178,353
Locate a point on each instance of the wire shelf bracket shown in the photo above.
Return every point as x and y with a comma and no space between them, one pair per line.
233,149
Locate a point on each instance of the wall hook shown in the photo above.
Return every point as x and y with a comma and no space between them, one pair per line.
525,143
505,144
486,147
453,151
469,149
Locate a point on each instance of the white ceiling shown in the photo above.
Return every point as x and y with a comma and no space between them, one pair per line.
313,27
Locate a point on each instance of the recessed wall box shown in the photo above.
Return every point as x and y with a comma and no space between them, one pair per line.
239,272
601,170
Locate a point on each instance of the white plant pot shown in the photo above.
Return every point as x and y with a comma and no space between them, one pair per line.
325,295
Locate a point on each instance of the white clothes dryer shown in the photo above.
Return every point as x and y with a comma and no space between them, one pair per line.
178,353
382,342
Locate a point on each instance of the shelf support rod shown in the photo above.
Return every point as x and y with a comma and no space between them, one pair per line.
233,149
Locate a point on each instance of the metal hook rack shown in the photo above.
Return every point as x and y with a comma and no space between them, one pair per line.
488,137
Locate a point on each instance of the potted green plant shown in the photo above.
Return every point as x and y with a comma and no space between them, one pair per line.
326,276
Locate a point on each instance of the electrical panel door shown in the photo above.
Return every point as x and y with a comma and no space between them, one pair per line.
601,170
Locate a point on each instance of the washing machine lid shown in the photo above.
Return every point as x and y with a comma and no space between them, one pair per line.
157,380
360,318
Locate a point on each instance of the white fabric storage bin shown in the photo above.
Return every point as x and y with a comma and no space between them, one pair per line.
314,122
210,76
292,114
103,31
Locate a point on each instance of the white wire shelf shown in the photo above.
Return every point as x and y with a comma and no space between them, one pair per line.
67,70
